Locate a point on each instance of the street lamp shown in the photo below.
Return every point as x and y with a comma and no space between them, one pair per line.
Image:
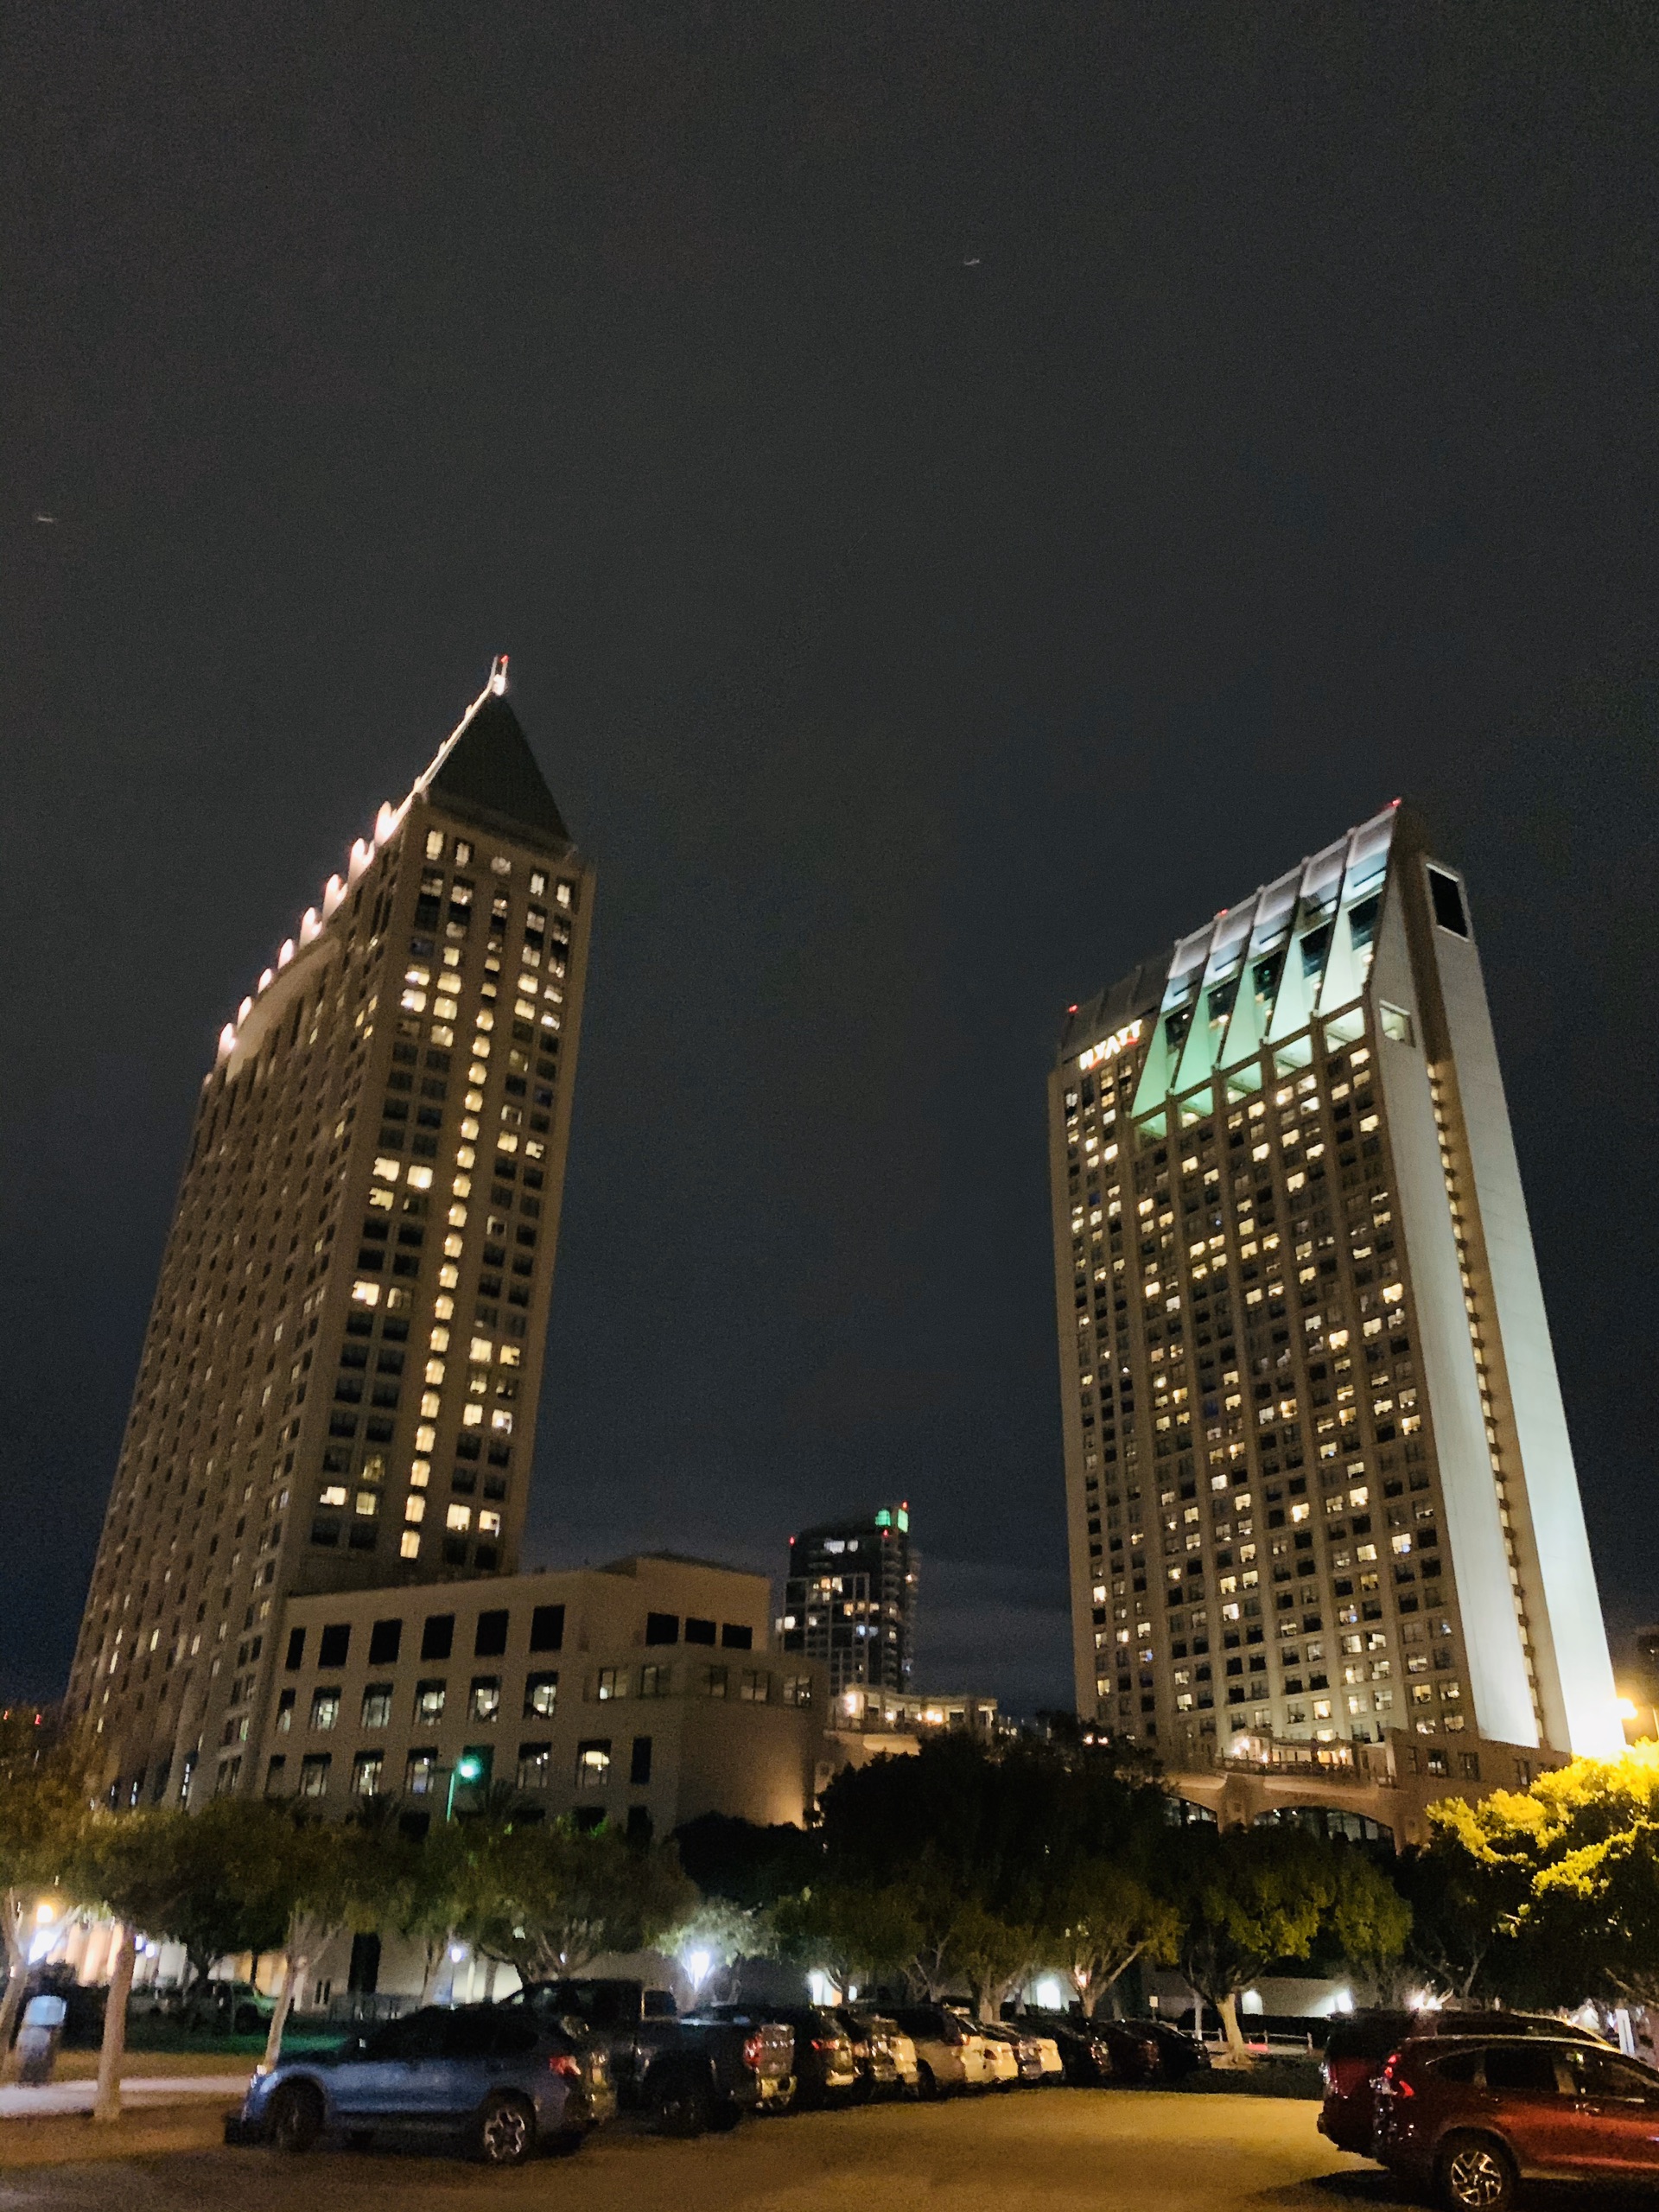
467,1767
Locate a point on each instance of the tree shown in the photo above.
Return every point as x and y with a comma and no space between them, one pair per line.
992,1954
1097,1920
552,1897
1370,1921
853,1935
1248,1896
43,1808
1569,1868
325,1878
131,1867
227,1897
748,1864
717,1936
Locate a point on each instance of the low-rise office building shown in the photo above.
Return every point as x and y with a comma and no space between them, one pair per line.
644,1693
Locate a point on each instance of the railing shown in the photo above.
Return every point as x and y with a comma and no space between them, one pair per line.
361,2008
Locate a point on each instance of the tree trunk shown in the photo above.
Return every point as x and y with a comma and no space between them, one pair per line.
432,1965
14,1911
107,2103
294,1976
1238,2052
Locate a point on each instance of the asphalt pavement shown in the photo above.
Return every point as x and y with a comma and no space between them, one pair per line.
1033,2150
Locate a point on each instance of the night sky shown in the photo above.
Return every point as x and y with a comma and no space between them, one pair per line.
968,490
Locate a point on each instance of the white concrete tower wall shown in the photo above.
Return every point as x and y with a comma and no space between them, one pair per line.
1496,1659
1574,1673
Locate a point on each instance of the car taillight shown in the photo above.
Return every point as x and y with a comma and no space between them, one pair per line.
562,2062
1391,2078
754,2051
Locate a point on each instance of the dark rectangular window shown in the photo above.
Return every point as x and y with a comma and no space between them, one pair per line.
639,1764
491,1640
296,1649
385,1641
699,1631
438,1636
547,1628
661,1628
1446,896
334,1643
736,1637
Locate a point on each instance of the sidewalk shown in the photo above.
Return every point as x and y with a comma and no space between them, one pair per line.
57,2098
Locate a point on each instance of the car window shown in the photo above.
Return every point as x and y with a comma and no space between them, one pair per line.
512,2038
1600,2074
1521,2066
469,2035
420,2034
1459,2067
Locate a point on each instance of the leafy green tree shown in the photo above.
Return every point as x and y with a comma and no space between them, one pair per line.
748,1864
992,1954
324,1877
1097,1919
132,1867
1371,1921
1460,1907
43,1809
226,1896
722,1934
855,1935
1572,1864
1248,1897
552,1897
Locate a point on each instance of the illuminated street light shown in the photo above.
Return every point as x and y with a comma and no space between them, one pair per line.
467,1767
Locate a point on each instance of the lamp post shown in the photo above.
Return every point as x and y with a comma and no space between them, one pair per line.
467,1767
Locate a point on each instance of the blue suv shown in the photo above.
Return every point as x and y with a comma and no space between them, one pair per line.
491,2075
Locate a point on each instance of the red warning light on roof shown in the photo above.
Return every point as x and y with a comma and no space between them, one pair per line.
1071,1009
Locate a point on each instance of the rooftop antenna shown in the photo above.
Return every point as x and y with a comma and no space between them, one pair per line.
499,674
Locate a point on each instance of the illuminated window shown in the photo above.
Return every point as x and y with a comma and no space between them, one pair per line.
541,1696
377,1705
314,1774
367,1771
429,1704
593,1763
325,1708
484,1702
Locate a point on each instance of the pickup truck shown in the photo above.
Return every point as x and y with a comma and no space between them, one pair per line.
688,2074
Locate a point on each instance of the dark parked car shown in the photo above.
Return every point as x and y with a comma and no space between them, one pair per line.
1358,2043
1473,2117
690,2074
1178,2053
494,2076
825,2069
1095,2051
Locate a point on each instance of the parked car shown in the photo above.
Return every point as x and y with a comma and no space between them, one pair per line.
1095,2051
497,2077
225,2008
1178,2053
823,2064
951,2053
883,2053
689,2075
1028,2049
1358,2044
1474,2117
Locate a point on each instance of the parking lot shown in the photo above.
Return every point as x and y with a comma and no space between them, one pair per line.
1155,2150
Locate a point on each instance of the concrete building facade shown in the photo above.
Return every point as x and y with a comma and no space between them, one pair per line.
338,1383
643,1693
1320,1492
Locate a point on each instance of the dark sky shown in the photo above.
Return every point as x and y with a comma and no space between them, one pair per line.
969,489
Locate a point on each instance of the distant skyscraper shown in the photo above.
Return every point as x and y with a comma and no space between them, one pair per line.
1319,1476
850,1598
340,1380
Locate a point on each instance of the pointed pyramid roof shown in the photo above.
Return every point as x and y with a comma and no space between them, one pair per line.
488,769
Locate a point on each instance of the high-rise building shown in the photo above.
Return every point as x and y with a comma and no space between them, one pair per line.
340,1380
1319,1485
849,1601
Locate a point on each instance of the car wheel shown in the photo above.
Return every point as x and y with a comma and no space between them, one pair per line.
927,2083
506,2131
680,2107
296,2117
1476,2174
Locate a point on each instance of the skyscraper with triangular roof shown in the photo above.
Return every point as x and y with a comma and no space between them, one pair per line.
340,1380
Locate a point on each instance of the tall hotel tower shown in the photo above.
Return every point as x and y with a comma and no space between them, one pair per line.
340,1380
1319,1486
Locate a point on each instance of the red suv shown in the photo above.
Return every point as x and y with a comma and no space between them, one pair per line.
1359,2042
1474,2116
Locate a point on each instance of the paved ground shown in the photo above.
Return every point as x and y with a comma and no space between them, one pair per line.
1033,2151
